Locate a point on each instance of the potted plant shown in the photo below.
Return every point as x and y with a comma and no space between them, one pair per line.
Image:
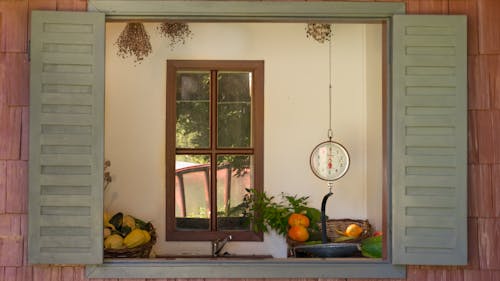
269,213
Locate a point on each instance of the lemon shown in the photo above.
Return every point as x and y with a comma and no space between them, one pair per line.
353,230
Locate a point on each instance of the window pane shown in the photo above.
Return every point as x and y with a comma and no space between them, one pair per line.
192,192
234,107
234,175
192,108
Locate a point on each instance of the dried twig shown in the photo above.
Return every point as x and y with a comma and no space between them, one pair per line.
320,32
176,32
134,41
107,174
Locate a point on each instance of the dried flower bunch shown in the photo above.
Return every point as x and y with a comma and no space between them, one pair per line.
176,32
320,32
134,41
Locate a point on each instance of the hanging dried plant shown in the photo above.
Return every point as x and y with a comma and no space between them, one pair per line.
134,41
176,32
320,32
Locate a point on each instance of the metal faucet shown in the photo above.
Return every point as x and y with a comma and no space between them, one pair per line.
218,244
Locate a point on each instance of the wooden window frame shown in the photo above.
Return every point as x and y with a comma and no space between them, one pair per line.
256,149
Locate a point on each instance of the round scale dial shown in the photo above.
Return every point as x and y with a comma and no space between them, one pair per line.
329,160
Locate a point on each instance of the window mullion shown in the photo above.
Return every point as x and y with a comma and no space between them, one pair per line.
213,147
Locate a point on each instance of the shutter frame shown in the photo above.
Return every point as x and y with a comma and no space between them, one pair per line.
429,151
66,138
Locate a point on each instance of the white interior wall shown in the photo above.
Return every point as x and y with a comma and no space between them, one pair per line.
296,117
374,157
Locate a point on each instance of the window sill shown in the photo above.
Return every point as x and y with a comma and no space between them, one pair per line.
258,268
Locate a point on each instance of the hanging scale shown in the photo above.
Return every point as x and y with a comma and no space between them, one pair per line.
329,160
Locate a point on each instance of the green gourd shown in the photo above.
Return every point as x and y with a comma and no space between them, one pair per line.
372,247
117,220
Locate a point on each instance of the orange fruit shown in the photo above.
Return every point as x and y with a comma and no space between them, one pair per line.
298,219
353,230
298,233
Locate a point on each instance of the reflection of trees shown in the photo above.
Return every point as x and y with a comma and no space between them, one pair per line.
233,119
192,128
234,110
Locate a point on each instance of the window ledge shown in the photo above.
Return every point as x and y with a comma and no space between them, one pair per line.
267,268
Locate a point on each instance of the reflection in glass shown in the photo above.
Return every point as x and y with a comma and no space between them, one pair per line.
234,107
192,192
192,109
234,175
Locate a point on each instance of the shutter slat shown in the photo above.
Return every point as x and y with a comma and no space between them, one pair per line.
69,38
83,180
66,221
51,78
65,159
65,242
65,99
420,160
65,200
66,138
77,62
66,119
429,177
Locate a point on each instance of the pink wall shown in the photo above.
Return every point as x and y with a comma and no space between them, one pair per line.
484,141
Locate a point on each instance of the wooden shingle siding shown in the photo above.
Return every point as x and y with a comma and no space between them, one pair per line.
14,26
15,78
11,241
479,95
481,197
16,201
10,132
71,5
489,243
495,175
12,39
3,185
493,79
473,244
46,5
489,31
469,8
427,7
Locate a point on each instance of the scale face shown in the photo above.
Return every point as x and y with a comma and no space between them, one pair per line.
329,160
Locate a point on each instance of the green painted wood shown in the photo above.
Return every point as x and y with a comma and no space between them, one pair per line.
269,268
66,138
244,10
429,151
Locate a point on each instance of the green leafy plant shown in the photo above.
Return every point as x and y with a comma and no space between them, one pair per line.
266,212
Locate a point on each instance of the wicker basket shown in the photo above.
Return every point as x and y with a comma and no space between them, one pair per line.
142,251
342,224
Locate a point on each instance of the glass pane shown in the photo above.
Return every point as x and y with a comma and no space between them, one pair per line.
192,192
234,109
193,109
234,175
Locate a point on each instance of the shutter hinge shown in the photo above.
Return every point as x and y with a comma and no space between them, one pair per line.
29,50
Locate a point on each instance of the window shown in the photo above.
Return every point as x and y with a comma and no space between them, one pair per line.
427,133
214,147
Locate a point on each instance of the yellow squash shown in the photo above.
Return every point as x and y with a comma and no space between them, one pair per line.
135,238
129,221
114,241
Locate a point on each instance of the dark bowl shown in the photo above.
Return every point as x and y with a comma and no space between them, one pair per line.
328,250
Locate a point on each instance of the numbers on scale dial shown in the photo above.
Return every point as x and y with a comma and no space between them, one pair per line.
330,160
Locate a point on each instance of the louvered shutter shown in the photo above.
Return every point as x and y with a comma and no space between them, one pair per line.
429,152
66,137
